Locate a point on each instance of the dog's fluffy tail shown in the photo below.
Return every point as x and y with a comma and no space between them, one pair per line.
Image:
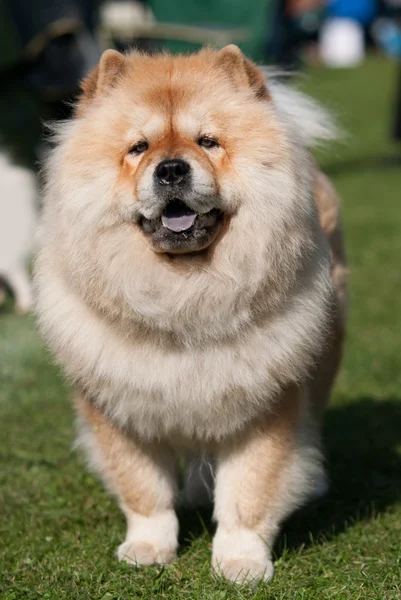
312,123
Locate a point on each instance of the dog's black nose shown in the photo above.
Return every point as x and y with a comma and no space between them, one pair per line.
172,171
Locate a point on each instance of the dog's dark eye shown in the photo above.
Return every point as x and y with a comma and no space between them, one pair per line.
139,148
207,142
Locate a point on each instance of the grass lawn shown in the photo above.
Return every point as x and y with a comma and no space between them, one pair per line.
59,530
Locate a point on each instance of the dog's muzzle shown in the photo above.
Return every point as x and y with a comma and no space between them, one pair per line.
180,229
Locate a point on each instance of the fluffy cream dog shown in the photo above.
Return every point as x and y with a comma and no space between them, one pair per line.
191,283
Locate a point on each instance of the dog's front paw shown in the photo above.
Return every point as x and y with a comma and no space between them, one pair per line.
144,553
241,556
150,540
244,570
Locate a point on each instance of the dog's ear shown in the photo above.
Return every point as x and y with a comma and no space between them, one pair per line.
111,65
242,72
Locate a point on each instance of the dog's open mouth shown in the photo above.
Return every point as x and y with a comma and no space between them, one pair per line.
178,217
180,229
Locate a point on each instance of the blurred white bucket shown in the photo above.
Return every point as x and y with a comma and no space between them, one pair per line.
342,43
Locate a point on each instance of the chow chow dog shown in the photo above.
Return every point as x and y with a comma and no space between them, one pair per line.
191,282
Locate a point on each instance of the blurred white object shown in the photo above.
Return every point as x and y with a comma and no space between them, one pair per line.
17,225
124,13
123,17
342,43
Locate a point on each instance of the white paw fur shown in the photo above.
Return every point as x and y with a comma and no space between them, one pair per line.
143,553
241,556
150,540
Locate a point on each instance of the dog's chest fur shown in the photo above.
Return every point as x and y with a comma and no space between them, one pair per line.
206,392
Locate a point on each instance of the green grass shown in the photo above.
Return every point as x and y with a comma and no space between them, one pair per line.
58,528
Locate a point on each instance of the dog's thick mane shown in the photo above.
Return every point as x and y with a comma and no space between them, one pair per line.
264,292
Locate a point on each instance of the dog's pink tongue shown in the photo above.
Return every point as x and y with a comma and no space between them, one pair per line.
178,223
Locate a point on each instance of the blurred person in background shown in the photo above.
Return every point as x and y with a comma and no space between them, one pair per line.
46,47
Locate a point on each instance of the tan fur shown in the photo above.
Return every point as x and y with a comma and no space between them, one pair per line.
241,71
264,450
328,206
229,351
261,477
329,215
128,465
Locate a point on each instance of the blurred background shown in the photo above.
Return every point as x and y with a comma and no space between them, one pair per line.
47,46
59,528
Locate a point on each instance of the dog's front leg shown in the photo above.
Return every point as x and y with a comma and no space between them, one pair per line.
261,478
143,477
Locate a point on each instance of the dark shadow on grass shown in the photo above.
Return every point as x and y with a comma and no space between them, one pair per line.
193,523
360,445
364,163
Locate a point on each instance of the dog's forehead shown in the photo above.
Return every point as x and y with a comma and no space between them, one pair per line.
153,125
175,106
166,94
169,85
176,97
156,121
